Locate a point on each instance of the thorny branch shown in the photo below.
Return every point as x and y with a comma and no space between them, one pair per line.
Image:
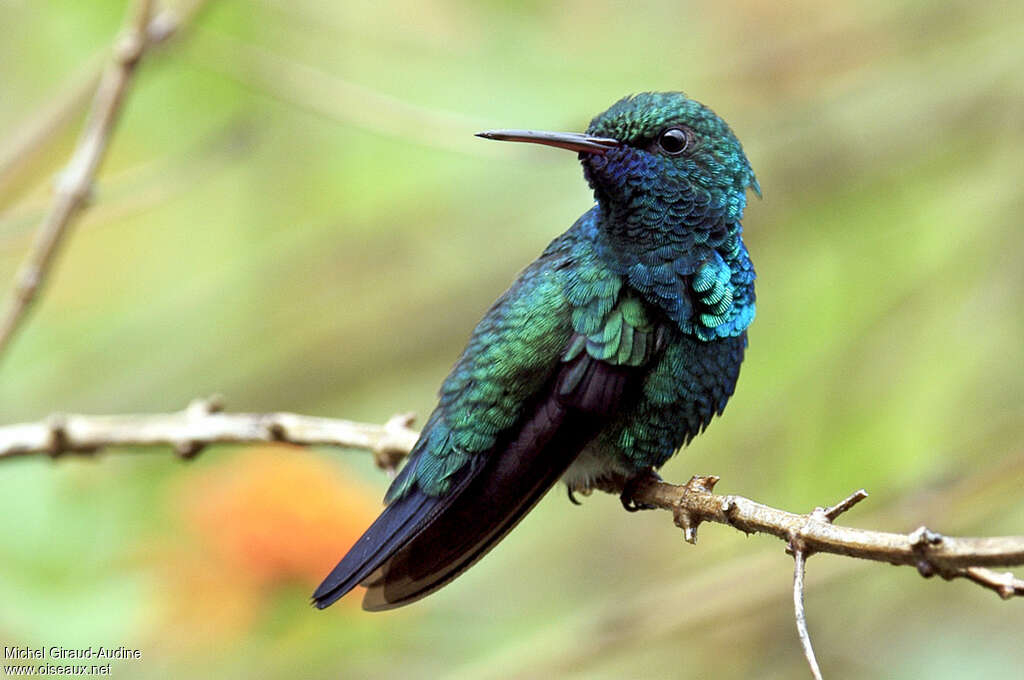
145,28
931,553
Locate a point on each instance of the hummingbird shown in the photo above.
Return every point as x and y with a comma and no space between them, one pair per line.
612,350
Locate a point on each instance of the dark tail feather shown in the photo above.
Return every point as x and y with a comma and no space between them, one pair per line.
395,525
506,488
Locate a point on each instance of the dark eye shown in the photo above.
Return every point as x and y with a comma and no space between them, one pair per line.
674,141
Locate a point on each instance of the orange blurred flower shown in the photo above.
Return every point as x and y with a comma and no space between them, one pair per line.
275,513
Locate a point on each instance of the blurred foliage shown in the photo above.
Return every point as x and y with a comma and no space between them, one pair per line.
294,213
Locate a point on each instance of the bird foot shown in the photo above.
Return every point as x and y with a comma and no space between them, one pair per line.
573,490
630,488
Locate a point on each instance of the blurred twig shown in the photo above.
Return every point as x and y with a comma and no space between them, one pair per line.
29,140
139,187
145,28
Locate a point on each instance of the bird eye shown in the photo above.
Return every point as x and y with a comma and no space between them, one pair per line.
674,141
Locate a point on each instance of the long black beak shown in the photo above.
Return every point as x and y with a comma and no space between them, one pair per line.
574,141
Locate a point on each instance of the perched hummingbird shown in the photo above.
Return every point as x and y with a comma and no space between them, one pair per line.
618,345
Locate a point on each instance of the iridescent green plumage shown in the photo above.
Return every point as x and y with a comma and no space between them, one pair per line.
613,349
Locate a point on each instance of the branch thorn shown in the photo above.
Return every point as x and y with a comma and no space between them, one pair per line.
58,443
685,520
187,450
923,538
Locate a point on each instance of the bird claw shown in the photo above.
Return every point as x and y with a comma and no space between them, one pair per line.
581,489
630,488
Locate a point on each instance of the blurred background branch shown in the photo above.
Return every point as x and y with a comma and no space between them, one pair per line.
31,139
144,29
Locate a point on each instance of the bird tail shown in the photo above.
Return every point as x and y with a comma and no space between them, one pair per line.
421,542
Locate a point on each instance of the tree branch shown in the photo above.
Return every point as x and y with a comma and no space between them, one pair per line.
203,423
143,30
931,553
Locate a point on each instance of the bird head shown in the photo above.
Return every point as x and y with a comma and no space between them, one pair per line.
668,144
658,158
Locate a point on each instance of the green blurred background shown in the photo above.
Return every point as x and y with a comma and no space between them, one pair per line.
294,213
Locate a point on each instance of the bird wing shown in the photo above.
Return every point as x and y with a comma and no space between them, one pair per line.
552,359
